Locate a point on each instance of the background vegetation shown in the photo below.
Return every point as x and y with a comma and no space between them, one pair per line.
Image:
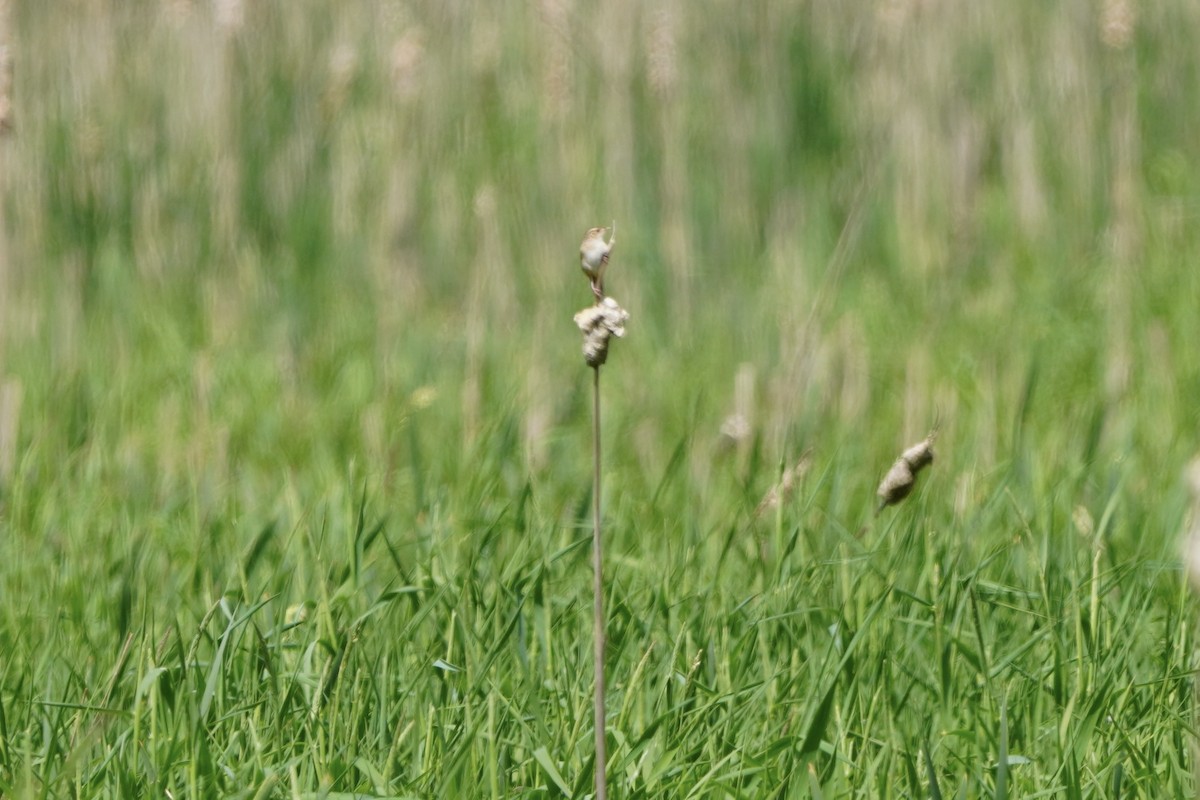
294,427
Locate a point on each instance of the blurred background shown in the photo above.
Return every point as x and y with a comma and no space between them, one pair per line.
251,245
290,389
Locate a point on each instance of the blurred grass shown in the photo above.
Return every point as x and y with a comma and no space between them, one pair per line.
294,427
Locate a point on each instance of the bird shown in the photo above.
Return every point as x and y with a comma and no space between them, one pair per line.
593,257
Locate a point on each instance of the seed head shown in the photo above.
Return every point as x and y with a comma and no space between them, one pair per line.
902,477
1191,531
781,492
599,323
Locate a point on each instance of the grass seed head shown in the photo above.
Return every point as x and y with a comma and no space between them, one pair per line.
734,430
6,74
782,492
1191,531
600,323
899,481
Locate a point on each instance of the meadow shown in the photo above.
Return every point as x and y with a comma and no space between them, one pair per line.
295,456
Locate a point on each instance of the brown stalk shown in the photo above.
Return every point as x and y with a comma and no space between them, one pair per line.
599,323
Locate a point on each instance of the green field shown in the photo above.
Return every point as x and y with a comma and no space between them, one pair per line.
295,432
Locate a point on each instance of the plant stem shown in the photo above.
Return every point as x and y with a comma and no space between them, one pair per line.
598,596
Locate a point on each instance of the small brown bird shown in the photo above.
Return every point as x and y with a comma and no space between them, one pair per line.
593,257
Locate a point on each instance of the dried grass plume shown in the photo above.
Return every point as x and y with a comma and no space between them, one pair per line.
1191,531
6,80
902,477
789,481
600,323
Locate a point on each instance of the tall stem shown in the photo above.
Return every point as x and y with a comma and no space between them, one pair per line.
598,596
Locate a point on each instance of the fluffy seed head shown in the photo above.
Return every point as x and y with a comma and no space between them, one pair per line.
902,477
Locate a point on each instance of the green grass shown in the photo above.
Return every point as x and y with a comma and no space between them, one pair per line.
295,430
